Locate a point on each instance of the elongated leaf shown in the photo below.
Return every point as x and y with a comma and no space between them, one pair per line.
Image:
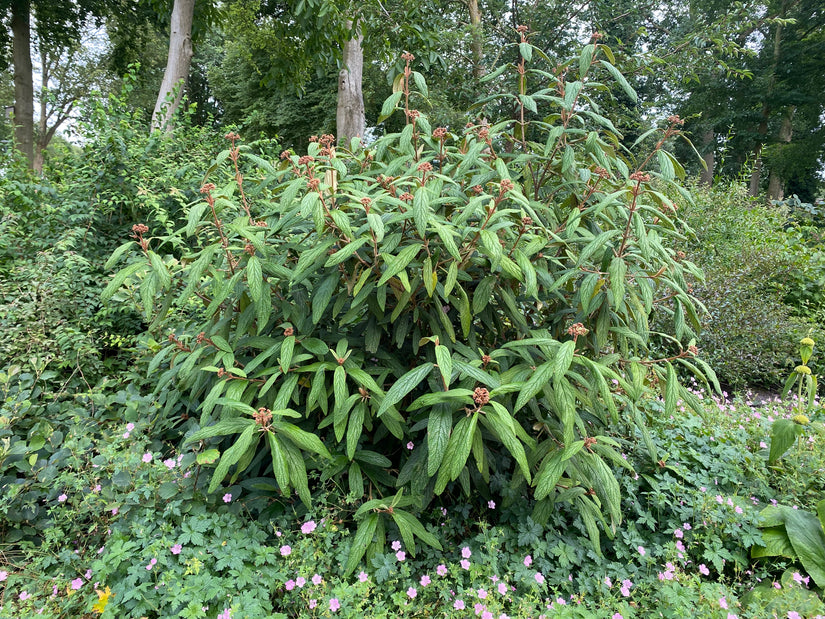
413,526
120,277
537,381
222,428
403,386
396,264
458,450
445,364
550,472
439,426
360,542
280,467
303,439
345,252
233,454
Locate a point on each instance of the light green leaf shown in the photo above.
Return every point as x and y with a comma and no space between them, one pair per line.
403,386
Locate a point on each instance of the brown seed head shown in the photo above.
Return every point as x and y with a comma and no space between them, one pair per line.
407,57
506,185
289,331
640,177
425,166
577,329
406,197
440,133
207,187
313,184
481,396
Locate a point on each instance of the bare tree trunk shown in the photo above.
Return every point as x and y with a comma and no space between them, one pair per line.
477,41
709,143
776,188
23,84
756,174
350,121
177,64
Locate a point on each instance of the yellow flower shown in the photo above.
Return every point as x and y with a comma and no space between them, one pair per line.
802,369
802,420
102,600
807,342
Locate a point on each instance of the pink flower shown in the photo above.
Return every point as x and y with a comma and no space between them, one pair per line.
130,426
152,563
617,616
528,561
465,564
458,605
466,552
491,504
410,445
308,527
300,581
362,577
3,575
289,584
486,615
738,510
678,534
703,569
425,580
147,457
227,498
316,580
226,614
400,555
411,592
286,551
539,578
334,604
482,594
723,603
686,526
77,583
176,549
25,595
62,498
441,570
396,545
479,608
792,614
313,603
641,550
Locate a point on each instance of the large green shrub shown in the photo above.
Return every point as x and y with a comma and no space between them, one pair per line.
749,259
419,315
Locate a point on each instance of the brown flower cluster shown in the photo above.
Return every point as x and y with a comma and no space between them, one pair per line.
640,177
577,329
263,417
406,197
506,185
407,57
481,396
440,133
425,166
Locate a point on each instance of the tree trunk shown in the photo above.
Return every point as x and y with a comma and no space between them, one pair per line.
709,144
776,185
350,121
756,174
477,40
177,64
23,83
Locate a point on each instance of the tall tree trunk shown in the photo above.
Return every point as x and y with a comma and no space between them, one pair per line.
709,144
776,185
756,174
23,84
477,38
177,64
350,121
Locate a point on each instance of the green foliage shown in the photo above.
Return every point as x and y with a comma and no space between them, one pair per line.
795,534
481,298
749,334
786,431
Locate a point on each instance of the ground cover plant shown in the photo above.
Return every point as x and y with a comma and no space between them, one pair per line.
450,373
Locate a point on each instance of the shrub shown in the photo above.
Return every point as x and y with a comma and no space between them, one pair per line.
419,316
749,333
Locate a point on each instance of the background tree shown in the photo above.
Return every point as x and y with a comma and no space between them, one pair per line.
58,22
